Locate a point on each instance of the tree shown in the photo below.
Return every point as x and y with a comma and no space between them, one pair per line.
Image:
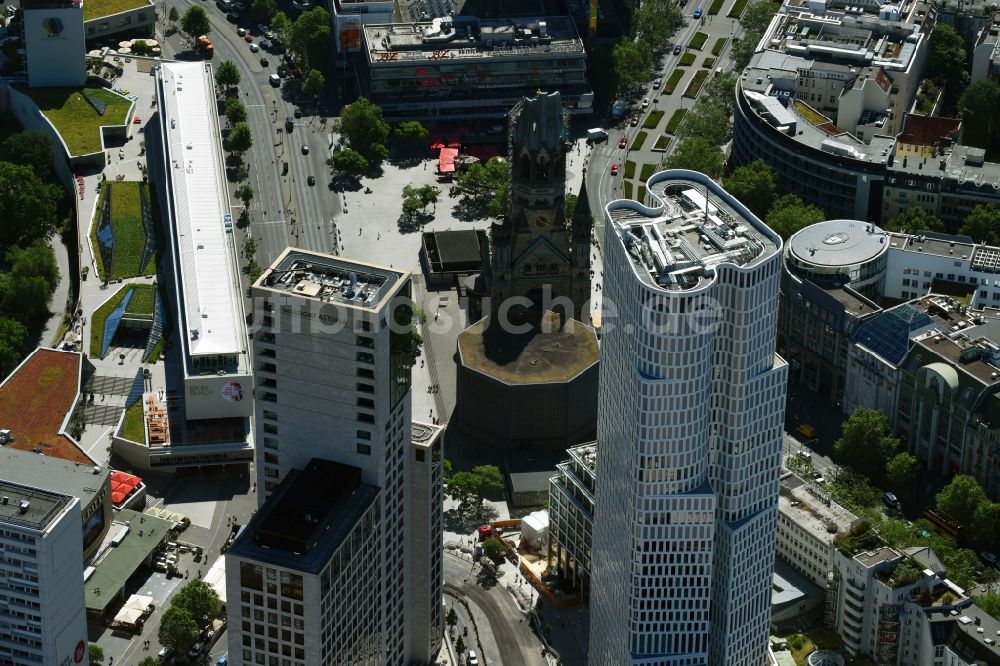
364,130
754,22
707,121
493,549
755,185
570,200
200,600
789,213
195,23
178,629
239,139
460,645
411,202
485,186
655,21
902,472
227,75
95,653
235,111
471,487
697,154
281,26
309,38
174,15
349,162
978,107
140,47
314,83
242,173
982,224
245,194
30,149
263,9
411,132
12,337
630,62
987,522
961,498
947,61
865,443
913,220
990,603
27,205
451,619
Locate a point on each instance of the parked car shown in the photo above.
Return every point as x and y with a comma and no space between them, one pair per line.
254,48
233,17
890,500
645,102
241,32
274,80
264,62
222,661
634,121
165,654
473,659
657,83
677,49
989,558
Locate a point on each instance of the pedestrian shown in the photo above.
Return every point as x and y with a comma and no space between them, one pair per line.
359,232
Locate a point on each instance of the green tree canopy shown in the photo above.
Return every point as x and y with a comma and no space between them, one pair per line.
314,83
347,161
364,130
239,139
789,213
698,154
865,443
35,260
754,22
471,487
978,107
30,149
149,661
245,194
630,61
484,187
655,21
195,23
755,185
200,600
174,15
902,471
493,549
961,498
95,653
178,629
913,220
235,111
412,132
12,337
990,602
309,38
27,205
281,25
418,198
227,75
987,523
263,9
947,60
982,224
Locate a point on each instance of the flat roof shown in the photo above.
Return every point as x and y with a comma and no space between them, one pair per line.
872,558
424,434
137,535
326,278
838,243
95,9
697,227
307,518
35,400
811,512
455,249
469,37
54,474
41,506
211,295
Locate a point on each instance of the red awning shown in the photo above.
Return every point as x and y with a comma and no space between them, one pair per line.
446,160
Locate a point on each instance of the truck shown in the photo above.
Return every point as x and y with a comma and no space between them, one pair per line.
205,46
618,109
596,135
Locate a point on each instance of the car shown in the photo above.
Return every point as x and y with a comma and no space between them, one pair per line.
890,500
657,82
677,49
305,149
805,455
249,38
311,181
989,558
298,113
222,661
645,102
264,44
254,48
697,13
196,650
264,62
165,654
473,659
289,123
261,28
818,478
634,121
233,17
623,142
614,168
274,80
241,32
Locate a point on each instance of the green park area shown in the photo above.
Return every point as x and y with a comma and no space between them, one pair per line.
675,78
79,113
698,41
687,59
133,428
653,119
118,235
640,138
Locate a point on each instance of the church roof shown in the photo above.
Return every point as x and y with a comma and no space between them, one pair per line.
582,214
538,122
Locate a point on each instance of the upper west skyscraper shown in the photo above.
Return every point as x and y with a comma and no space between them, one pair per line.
689,430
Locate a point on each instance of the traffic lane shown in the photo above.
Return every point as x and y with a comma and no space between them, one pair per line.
517,642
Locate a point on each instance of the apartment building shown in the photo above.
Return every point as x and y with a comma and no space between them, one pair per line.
686,506
571,518
42,615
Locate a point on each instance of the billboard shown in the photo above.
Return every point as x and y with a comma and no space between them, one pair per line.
218,396
54,46
348,33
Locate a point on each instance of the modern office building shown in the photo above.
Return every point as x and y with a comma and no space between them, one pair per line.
332,355
42,616
689,456
426,484
571,518
463,67
54,49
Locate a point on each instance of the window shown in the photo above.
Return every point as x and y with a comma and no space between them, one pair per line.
364,449
420,454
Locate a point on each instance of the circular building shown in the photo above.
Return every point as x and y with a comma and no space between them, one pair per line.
839,253
825,658
533,388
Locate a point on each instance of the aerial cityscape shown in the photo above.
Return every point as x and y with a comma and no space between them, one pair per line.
506,332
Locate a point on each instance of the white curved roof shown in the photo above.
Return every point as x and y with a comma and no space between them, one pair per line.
836,243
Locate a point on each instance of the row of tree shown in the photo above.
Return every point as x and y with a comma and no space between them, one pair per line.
364,138
652,26
191,611
30,203
982,224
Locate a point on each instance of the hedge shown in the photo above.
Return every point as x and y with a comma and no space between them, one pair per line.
640,138
653,119
737,9
698,41
672,82
695,86
720,44
687,59
629,169
675,121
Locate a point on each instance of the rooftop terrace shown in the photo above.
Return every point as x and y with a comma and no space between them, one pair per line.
325,278
813,512
95,9
696,228
29,507
73,112
36,399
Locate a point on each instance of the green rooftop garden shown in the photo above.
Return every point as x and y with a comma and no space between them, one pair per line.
93,9
76,116
133,429
141,304
127,233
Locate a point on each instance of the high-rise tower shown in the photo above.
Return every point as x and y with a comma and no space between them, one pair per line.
689,430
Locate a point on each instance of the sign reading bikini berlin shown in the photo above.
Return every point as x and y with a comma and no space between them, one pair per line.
52,27
233,392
